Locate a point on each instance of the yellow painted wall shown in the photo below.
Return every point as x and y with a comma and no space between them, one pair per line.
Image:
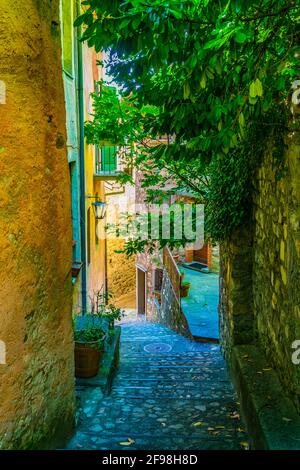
37,381
93,188
121,273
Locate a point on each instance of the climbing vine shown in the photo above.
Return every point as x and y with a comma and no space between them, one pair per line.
216,77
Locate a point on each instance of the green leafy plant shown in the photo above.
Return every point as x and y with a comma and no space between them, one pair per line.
185,284
184,288
214,77
91,332
99,322
112,314
105,311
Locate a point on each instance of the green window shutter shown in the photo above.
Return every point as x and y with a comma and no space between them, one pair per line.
109,159
67,35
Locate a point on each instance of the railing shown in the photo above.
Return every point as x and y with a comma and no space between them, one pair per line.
110,161
173,271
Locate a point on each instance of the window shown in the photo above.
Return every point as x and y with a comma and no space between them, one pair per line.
71,171
88,235
158,278
109,159
67,35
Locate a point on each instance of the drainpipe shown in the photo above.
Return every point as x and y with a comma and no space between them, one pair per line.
82,179
105,267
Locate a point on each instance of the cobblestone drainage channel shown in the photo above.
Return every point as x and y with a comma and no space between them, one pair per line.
158,348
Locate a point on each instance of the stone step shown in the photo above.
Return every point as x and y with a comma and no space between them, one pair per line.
194,355
209,351
188,396
175,441
146,368
157,398
154,382
168,369
163,374
187,431
145,359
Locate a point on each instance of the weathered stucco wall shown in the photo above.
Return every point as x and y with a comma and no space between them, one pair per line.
37,381
121,271
260,275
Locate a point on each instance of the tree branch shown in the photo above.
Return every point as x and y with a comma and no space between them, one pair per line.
267,14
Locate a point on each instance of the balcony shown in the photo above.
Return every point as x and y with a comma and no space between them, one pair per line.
110,163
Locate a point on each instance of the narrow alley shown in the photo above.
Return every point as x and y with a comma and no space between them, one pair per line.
169,393
149,228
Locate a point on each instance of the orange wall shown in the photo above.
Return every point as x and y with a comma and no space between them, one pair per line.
37,381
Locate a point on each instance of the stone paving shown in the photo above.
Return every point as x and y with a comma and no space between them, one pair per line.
201,306
170,394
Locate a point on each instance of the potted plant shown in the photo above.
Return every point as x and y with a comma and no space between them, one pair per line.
184,289
112,314
76,267
106,310
89,346
157,295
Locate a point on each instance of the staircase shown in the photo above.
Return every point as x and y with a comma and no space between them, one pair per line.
170,393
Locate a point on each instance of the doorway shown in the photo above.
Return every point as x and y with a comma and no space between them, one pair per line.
141,291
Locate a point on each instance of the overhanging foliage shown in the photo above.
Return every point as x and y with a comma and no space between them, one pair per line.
215,75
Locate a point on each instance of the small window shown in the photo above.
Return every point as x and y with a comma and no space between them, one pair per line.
67,36
109,159
158,277
88,235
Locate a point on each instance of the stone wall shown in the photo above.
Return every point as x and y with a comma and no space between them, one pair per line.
170,313
276,265
235,308
37,381
260,271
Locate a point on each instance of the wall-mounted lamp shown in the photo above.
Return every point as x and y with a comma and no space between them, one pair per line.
99,209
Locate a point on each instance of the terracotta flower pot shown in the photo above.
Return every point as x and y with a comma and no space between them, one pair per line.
76,267
157,295
87,358
184,290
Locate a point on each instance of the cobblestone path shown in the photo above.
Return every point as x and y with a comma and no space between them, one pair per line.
170,394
